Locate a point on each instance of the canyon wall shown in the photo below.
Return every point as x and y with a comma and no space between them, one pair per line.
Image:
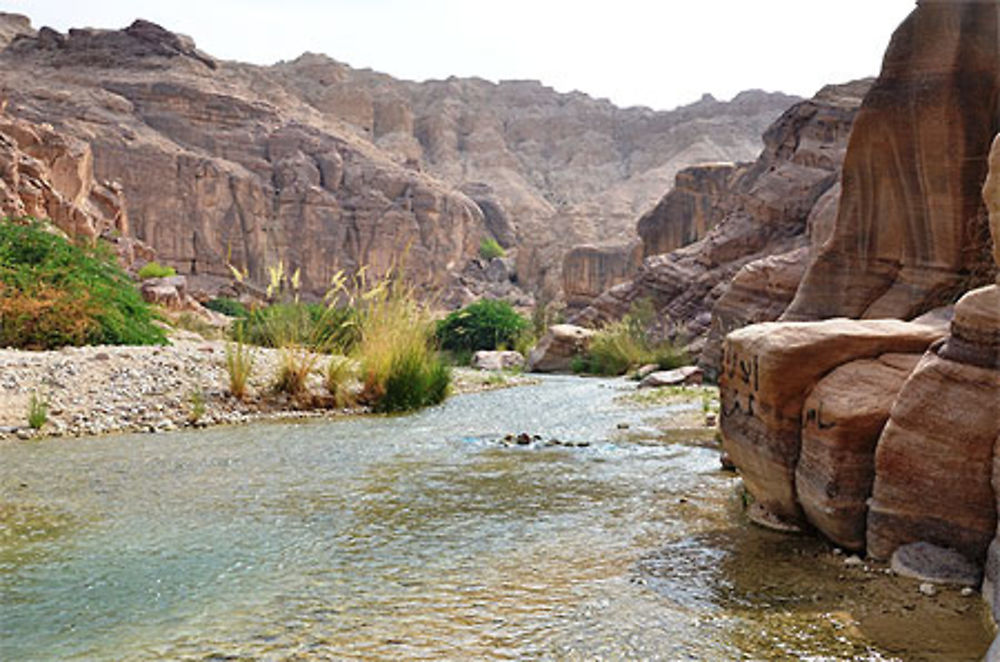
911,228
755,212
883,434
324,167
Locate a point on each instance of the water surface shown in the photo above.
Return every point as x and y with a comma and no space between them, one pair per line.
421,537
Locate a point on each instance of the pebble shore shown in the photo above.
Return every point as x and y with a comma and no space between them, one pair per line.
99,390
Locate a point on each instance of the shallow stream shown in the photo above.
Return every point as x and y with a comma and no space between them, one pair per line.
423,537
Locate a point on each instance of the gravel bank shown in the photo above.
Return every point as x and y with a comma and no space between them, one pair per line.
97,390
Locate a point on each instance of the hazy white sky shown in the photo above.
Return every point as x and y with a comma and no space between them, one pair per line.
658,53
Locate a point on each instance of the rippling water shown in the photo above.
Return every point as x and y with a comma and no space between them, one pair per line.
421,537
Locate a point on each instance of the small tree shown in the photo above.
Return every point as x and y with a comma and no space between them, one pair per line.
485,324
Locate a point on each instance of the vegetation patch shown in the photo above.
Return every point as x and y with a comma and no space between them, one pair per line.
55,293
484,325
627,344
227,306
490,248
155,270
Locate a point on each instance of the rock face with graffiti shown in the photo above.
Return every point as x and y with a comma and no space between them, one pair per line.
881,434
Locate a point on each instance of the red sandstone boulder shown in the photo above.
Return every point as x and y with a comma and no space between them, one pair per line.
557,348
842,419
934,461
767,371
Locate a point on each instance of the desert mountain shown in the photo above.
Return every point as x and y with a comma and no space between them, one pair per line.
326,167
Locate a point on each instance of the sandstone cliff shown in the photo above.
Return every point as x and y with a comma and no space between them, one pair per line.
566,168
223,166
858,432
49,175
324,167
759,210
911,229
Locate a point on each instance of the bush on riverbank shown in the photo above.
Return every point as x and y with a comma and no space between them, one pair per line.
55,293
227,306
627,344
155,270
484,325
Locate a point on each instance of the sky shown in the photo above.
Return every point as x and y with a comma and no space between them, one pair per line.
656,53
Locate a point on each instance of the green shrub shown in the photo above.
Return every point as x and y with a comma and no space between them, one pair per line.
485,324
155,270
226,306
55,293
490,248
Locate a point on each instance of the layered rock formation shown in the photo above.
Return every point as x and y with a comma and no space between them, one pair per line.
566,168
764,209
49,175
911,232
324,167
689,210
768,371
588,271
918,445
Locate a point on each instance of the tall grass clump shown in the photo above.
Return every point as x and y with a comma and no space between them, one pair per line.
54,293
38,412
626,344
341,373
239,367
400,367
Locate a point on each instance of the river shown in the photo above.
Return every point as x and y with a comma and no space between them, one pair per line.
424,537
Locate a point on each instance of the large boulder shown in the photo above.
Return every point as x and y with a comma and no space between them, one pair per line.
768,370
557,348
842,419
910,232
934,461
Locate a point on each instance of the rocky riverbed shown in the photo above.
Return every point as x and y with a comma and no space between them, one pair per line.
97,390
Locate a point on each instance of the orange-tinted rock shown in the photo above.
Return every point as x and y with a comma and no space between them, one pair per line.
766,210
589,271
692,207
910,228
759,292
768,369
557,348
842,419
934,460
